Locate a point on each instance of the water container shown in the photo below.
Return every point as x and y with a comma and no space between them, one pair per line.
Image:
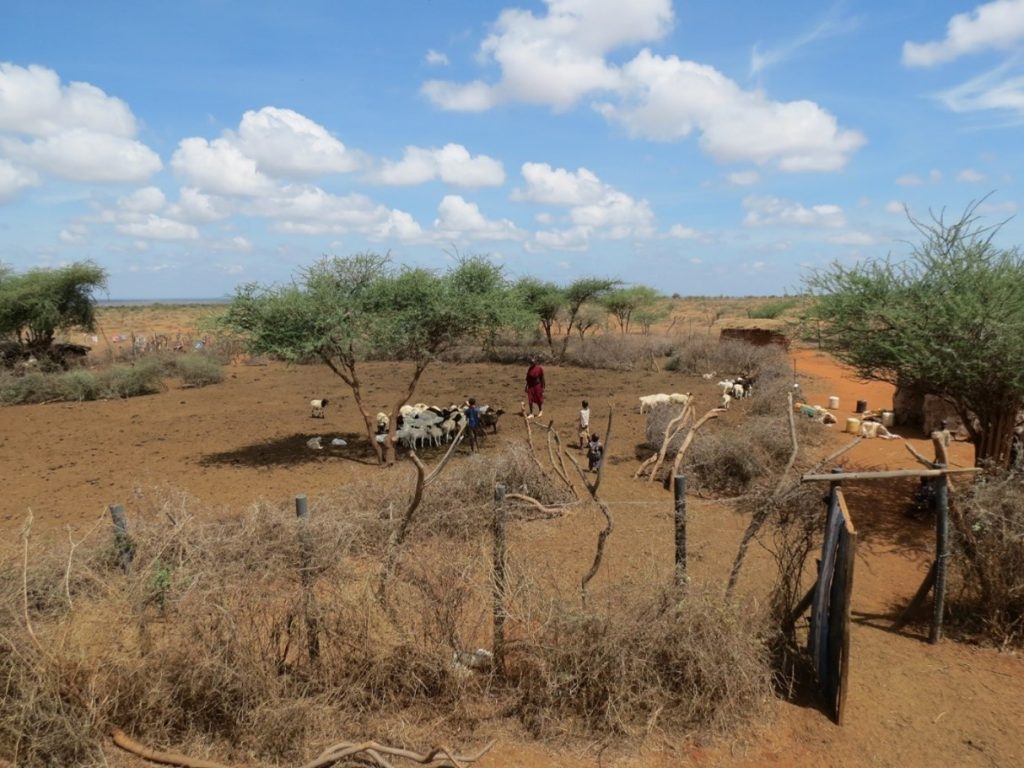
853,425
862,405
833,403
888,419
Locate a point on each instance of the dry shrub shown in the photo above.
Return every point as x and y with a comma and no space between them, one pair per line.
617,352
988,566
703,354
686,660
207,645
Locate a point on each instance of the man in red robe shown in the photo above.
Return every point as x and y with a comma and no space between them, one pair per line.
535,387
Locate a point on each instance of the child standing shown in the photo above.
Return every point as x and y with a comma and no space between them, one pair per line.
472,423
584,425
595,452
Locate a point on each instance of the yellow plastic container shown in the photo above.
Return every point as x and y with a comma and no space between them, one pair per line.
853,426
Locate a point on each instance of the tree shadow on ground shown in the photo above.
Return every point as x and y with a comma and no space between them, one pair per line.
879,509
292,451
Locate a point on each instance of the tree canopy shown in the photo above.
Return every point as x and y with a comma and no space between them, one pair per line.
39,303
948,320
344,311
624,303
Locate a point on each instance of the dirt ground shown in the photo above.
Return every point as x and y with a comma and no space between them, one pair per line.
909,703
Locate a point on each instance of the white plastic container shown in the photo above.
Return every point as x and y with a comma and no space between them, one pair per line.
833,403
888,419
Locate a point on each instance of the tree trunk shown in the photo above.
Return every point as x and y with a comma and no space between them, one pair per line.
547,332
388,454
995,431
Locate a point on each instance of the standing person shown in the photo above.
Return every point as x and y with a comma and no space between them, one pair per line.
595,452
472,424
535,387
584,425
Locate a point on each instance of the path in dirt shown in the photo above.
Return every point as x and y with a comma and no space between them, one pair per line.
909,703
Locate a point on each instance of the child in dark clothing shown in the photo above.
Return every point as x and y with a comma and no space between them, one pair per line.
472,423
595,452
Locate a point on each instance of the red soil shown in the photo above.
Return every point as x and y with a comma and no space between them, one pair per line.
909,703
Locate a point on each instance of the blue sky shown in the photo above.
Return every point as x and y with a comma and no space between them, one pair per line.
699,147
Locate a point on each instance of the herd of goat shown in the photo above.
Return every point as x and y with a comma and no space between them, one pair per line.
423,425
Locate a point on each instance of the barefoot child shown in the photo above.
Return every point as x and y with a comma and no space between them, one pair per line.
584,425
595,452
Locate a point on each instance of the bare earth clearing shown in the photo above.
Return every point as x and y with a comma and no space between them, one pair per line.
229,444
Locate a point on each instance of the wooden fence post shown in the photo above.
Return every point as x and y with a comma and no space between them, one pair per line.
500,585
941,554
680,514
125,548
306,576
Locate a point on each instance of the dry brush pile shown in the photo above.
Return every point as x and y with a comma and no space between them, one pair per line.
256,639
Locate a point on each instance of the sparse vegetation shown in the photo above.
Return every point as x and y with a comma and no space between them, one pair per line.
988,518
773,309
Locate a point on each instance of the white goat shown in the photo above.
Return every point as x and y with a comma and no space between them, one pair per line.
318,407
726,400
680,399
647,402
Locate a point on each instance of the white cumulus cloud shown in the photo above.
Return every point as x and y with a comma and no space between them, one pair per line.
285,143
33,102
81,154
220,167
561,57
743,178
153,227
459,219
767,211
595,208
193,205
14,179
669,98
557,58
970,176
452,164
994,25
73,131
436,58
308,209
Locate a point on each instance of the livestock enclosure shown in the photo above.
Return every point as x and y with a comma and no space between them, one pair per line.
207,478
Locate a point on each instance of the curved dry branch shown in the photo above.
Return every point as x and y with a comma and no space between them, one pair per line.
398,537
602,537
796,447
548,512
714,413
439,757
560,471
444,460
128,744
678,424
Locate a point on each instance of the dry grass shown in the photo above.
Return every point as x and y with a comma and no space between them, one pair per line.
988,597
204,646
678,661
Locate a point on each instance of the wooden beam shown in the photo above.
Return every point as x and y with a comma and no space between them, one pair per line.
887,474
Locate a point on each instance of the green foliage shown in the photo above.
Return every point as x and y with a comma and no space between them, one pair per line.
196,370
947,321
773,309
586,290
543,301
144,377
345,310
624,303
38,303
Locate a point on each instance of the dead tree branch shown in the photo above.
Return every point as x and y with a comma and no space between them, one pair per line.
398,537
547,512
714,413
439,757
444,460
673,428
128,744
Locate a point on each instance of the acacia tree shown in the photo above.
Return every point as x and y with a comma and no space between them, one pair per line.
578,293
36,305
545,301
624,303
948,321
343,311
